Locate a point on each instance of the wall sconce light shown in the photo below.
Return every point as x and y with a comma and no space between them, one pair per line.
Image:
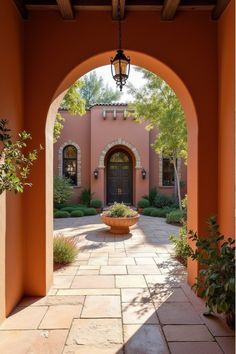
96,173
143,173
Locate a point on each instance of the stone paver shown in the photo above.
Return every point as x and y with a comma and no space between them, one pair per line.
101,307
32,342
140,339
123,294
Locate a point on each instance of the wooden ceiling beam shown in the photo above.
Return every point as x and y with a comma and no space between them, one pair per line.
66,9
21,8
219,8
115,6
169,9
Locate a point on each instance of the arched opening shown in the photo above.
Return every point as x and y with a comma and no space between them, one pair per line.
195,219
119,177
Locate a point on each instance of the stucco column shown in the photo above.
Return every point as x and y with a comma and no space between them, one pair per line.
98,185
2,255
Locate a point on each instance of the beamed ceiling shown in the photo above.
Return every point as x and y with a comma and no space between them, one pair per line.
167,8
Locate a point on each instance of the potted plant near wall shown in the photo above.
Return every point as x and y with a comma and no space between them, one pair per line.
143,203
216,282
119,217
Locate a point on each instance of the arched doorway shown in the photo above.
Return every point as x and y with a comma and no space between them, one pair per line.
119,170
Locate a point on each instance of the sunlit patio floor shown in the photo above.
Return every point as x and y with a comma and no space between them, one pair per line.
124,294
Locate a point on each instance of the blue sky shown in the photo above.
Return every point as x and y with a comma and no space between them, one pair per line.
134,77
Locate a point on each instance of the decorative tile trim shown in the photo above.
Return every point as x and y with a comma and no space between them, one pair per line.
60,160
119,141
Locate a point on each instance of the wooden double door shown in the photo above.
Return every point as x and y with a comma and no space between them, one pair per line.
119,177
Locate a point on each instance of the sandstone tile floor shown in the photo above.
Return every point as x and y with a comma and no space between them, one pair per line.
123,295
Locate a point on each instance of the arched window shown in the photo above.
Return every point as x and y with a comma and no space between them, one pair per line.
70,163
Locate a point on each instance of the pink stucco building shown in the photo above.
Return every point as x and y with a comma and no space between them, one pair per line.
106,151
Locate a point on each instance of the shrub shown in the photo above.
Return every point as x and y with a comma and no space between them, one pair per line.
181,247
64,249
162,200
152,195
160,212
96,203
86,196
69,209
216,281
62,190
77,213
148,211
120,210
61,214
89,211
143,203
175,217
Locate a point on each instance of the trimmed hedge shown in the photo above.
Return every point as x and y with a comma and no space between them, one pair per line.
143,203
148,211
96,203
89,211
175,217
61,214
160,212
77,213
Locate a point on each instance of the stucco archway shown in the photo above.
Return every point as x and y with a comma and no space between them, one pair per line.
117,142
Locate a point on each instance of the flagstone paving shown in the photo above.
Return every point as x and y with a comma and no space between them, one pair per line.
123,295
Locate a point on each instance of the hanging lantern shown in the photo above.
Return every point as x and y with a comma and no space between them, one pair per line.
120,64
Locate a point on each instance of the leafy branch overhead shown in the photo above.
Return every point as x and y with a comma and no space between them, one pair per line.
156,104
15,164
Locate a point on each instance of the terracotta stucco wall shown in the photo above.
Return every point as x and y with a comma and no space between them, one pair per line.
11,108
76,129
226,70
104,132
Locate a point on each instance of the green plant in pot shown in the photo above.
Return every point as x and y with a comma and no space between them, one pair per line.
216,281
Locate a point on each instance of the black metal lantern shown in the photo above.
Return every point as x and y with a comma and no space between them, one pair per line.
143,173
95,173
120,64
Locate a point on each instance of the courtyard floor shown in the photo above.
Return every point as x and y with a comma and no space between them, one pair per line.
124,294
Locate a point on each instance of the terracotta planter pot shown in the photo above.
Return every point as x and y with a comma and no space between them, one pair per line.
98,210
119,225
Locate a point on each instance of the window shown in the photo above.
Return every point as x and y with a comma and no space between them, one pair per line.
168,173
119,156
70,163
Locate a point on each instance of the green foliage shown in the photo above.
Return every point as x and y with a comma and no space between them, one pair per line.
152,195
69,209
62,190
163,200
161,212
61,214
72,102
143,203
96,203
181,247
148,211
94,90
77,213
89,211
120,210
175,217
14,164
64,249
157,104
216,281
86,196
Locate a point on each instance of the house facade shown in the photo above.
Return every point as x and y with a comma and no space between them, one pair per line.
107,151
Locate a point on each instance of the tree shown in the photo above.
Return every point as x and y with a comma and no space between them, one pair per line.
94,91
74,103
157,104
